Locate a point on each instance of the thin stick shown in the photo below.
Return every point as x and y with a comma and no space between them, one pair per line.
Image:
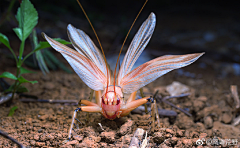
12,139
171,104
178,96
157,114
187,113
74,102
235,95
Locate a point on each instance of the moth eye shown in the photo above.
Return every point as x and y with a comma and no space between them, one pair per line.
118,101
103,101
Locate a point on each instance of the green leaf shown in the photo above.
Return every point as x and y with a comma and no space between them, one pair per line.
23,80
62,41
45,44
49,62
18,32
22,89
8,75
10,89
38,54
27,17
12,110
55,61
41,62
23,71
4,40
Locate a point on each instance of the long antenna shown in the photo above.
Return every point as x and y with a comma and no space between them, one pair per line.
125,41
96,37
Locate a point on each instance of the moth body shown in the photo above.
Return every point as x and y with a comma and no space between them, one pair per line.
91,66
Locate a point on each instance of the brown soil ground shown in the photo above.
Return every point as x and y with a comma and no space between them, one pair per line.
46,124
210,102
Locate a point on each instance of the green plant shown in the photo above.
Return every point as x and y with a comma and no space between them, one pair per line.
12,111
27,18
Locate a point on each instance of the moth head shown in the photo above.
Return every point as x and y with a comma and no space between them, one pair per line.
111,102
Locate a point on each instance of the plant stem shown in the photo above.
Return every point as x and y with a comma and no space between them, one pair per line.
19,64
20,54
16,85
14,89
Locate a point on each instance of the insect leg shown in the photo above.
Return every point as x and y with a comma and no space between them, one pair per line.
134,104
92,108
152,117
132,97
154,112
98,96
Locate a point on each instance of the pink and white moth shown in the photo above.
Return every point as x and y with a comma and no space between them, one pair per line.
90,65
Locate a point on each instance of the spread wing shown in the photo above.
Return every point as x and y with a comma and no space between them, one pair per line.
89,69
85,46
150,71
137,46
131,81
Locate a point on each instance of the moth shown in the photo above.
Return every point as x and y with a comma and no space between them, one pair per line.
90,65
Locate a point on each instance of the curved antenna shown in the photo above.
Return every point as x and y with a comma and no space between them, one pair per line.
97,39
114,83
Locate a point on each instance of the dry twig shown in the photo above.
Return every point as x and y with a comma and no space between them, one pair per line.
169,103
235,95
12,139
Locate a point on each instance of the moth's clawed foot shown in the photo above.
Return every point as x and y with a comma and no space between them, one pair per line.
78,109
151,99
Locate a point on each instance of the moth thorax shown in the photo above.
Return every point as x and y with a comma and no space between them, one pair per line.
117,90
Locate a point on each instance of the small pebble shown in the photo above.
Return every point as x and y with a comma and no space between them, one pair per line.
126,127
174,140
40,144
226,118
158,137
108,136
203,136
170,131
208,122
187,142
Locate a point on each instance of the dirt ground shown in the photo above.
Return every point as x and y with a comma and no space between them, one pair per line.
46,124
208,80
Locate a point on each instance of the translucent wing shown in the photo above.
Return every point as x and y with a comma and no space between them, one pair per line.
137,45
85,46
86,69
150,71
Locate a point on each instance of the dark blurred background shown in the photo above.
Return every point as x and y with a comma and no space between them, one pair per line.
182,26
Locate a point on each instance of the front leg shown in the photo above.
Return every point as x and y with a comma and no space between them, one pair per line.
91,107
132,104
